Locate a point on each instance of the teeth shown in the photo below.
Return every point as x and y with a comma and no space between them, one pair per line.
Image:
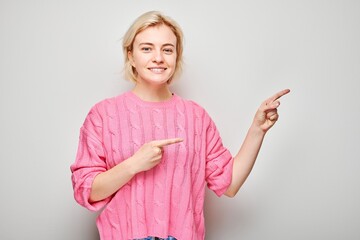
157,70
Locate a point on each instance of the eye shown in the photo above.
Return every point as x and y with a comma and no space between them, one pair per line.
146,49
168,50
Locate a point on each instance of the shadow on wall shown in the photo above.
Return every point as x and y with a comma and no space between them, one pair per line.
81,225
227,215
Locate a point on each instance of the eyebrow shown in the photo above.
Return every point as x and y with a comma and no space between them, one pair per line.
164,45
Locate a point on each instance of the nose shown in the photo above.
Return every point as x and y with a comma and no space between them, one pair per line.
158,57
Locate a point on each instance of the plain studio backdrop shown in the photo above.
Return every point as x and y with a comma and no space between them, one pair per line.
58,58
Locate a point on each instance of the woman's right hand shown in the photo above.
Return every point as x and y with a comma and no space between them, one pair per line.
150,154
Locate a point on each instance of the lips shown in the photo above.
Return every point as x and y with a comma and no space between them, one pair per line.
157,69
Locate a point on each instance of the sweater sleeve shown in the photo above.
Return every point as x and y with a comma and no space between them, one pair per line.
219,162
90,161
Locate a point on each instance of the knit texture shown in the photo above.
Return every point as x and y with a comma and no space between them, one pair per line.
168,199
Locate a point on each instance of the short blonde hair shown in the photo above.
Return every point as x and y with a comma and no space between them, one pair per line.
146,20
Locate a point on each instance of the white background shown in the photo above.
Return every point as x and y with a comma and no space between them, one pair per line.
58,58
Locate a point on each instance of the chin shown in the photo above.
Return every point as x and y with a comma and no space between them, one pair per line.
158,81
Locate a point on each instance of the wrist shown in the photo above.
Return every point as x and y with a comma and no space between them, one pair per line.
130,166
257,130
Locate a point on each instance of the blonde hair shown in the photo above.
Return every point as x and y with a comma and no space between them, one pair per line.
146,20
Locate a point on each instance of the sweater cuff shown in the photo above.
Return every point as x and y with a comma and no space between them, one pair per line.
82,195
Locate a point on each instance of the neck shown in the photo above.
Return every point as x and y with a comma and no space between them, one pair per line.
152,93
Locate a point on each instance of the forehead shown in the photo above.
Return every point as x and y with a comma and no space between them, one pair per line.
160,34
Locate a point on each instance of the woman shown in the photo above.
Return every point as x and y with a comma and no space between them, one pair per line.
146,155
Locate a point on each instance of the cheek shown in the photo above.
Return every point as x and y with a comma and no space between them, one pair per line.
171,60
139,59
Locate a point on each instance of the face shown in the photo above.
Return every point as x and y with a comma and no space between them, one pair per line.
154,55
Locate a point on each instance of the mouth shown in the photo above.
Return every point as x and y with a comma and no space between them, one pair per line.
157,69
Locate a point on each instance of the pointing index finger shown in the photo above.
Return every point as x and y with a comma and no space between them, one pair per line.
278,95
166,142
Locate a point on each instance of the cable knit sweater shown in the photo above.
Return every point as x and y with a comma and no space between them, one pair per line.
168,199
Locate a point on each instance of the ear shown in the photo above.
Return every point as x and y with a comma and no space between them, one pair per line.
131,59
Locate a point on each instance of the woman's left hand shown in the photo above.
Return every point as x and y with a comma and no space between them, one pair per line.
267,115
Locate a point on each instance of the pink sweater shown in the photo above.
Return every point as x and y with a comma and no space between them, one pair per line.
168,199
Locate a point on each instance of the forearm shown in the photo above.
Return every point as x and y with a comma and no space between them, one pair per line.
245,159
148,156
107,183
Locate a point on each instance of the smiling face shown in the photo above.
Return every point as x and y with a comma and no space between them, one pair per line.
154,55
